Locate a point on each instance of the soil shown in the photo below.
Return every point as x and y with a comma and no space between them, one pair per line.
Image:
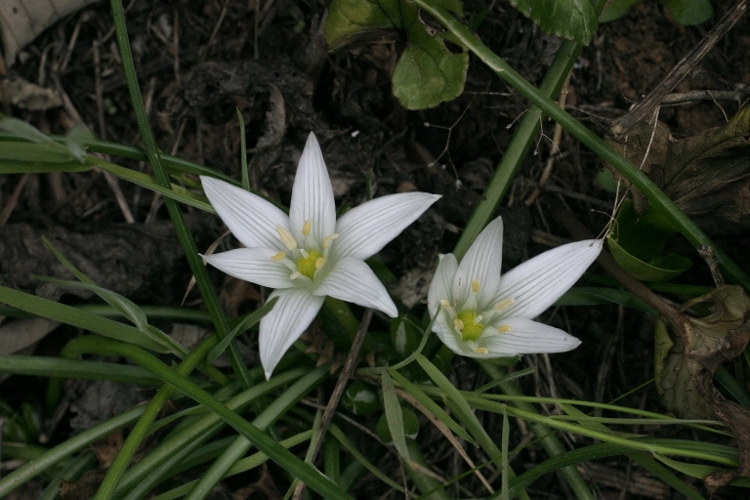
199,61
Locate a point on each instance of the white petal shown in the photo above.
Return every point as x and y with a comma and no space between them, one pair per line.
253,265
539,282
251,219
351,280
440,288
526,337
365,229
312,195
482,263
289,318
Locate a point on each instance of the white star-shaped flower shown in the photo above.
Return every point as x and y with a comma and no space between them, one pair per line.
482,314
308,254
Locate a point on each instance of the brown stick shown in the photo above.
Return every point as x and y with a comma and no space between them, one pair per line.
349,365
623,124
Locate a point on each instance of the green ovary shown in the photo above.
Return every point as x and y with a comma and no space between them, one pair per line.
471,329
306,265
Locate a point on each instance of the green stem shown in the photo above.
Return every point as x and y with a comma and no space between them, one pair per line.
608,154
183,233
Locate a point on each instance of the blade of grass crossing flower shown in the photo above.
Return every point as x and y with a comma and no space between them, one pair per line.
247,322
423,398
175,213
394,416
280,455
239,447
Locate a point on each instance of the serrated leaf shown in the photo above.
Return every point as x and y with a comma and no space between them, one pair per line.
571,19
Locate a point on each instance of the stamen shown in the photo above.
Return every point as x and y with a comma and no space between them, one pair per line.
279,256
458,324
481,350
445,303
328,239
504,304
295,275
503,329
475,286
319,262
286,238
306,228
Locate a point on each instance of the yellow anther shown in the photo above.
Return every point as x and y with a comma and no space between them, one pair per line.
319,262
328,239
504,304
306,228
445,303
503,329
458,324
286,238
481,350
278,256
475,286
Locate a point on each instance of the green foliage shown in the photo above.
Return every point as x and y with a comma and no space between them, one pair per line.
571,19
637,246
427,73
686,12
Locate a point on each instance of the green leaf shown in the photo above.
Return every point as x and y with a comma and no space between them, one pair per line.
34,154
616,9
637,246
76,317
571,19
427,72
690,12
247,322
661,268
394,415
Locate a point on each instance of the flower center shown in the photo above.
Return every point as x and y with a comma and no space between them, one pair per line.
311,261
468,324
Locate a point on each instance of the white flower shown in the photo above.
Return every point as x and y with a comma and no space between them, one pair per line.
481,314
308,254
